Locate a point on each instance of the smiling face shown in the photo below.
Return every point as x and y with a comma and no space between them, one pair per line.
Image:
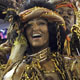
68,14
37,32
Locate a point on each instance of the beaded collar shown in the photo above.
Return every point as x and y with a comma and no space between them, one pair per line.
41,55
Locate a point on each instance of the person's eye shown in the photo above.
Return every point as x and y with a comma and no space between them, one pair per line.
29,25
71,13
42,23
60,12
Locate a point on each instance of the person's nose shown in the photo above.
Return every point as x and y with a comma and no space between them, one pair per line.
65,15
35,27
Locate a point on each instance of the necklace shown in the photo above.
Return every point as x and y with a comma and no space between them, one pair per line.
41,55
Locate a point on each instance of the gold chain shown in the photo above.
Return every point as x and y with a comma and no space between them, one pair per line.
58,38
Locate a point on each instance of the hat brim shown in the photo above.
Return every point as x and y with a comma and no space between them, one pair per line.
43,13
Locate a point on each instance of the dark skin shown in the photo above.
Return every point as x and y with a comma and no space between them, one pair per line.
68,14
37,34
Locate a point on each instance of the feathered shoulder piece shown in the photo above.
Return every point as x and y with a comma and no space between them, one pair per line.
11,9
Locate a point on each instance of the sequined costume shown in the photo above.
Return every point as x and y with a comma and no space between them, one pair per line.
47,63
45,66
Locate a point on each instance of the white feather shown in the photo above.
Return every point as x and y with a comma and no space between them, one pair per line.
8,75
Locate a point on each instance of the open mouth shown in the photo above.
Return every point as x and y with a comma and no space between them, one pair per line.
36,35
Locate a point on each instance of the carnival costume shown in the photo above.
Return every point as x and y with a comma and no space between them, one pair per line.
72,44
45,64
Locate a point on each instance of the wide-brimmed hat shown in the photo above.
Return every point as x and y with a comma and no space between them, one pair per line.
41,12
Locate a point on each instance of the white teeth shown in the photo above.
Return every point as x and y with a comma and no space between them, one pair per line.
34,35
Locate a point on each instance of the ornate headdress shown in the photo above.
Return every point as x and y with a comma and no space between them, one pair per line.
34,11
66,4
49,15
41,12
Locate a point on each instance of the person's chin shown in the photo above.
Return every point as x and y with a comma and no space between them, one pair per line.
36,44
